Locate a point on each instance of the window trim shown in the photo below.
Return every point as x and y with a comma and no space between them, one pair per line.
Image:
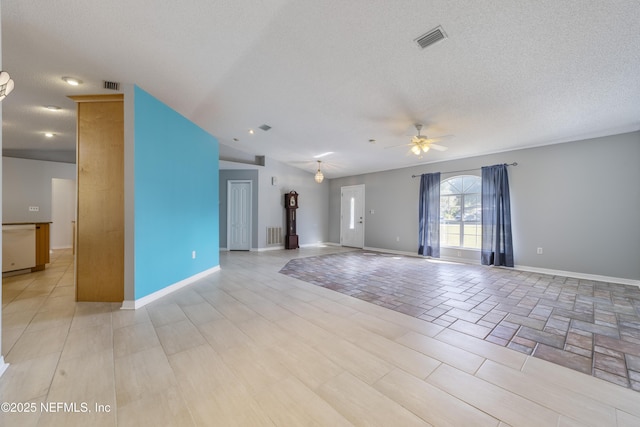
460,222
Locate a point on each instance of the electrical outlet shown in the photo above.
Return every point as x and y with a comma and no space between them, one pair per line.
34,208
539,251
193,255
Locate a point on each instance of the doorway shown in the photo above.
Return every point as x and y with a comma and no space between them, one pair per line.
63,212
239,221
352,216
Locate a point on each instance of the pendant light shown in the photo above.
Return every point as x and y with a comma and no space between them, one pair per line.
6,84
319,175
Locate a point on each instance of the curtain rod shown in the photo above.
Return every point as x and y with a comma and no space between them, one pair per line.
467,170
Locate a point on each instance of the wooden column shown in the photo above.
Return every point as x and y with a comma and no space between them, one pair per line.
100,217
42,246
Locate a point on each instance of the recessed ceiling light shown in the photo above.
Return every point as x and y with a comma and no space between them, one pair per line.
49,134
72,81
323,154
52,107
372,141
236,139
250,131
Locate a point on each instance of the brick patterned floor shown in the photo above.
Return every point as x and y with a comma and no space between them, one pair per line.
592,327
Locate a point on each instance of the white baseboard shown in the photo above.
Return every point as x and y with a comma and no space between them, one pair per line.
141,302
3,366
314,245
331,244
277,248
306,245
255,249
576,275
562,273
392,251
416,255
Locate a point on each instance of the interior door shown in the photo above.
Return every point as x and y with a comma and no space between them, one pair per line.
352,216
63,210
239,215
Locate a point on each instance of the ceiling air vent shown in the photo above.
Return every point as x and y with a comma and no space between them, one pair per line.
111,85
433,36
265,127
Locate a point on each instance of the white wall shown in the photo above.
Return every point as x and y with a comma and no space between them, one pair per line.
579,201
28,183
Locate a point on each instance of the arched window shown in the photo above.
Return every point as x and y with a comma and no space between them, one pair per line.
460,211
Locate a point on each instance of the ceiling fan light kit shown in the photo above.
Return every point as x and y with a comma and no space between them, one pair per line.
420,144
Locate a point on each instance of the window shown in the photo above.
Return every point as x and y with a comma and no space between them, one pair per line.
352,214
460,210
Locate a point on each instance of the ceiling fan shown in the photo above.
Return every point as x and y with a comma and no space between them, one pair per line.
420,144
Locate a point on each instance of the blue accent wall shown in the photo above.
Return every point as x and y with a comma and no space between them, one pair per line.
176,197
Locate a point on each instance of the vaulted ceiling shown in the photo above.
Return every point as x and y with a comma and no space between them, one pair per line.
329,75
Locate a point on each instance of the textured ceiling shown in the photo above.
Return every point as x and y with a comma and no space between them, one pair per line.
331,75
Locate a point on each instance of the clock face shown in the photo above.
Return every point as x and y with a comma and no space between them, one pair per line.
292,201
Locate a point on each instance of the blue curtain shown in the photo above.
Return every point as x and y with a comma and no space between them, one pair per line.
429,225
497,244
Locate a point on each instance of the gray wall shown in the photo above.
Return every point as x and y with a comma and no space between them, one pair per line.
313,211
579,201
28,183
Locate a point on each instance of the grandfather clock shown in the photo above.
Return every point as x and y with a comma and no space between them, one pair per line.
291,204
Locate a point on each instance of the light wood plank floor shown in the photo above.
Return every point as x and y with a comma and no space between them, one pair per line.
248,346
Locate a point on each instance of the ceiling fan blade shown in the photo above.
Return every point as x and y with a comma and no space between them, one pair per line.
438,147
438,138
396,146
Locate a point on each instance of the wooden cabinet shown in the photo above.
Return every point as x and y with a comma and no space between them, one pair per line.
100,217
42,246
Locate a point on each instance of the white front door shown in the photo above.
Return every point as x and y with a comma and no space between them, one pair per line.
352,216
239,215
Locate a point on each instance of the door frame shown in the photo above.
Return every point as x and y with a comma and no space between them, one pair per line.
230,182
347,187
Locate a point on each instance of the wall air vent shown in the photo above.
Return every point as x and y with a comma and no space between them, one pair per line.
265,127
432,37
111,85
274,236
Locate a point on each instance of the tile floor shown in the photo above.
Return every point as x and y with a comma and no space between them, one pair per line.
249,346
592,327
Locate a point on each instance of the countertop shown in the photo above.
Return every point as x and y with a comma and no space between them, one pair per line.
26,222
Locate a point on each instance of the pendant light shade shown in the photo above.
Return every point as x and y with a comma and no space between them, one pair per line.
6,84
319,175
